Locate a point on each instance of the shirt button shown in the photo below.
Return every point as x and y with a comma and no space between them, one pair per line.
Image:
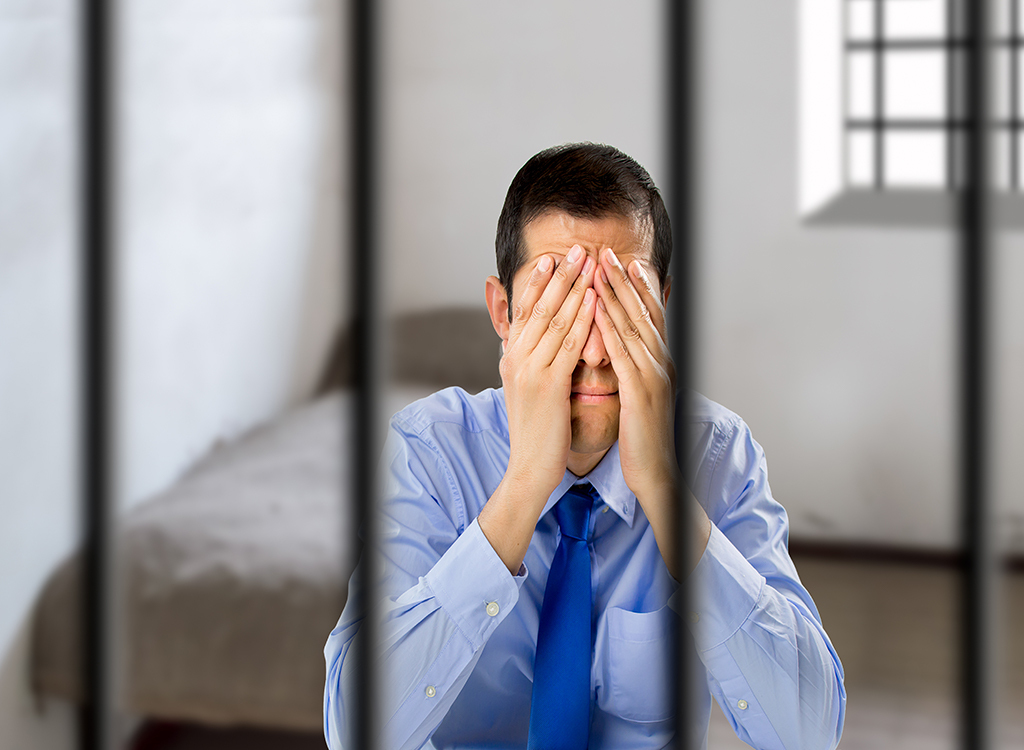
604,509
431,692
741,704
492,608
694,617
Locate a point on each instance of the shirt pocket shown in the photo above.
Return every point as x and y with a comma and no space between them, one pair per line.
636,664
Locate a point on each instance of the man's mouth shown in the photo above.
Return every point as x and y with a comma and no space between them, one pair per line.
593,395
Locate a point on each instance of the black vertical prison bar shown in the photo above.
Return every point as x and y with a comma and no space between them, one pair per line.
680,134
96,346
879,94
974,251
362,252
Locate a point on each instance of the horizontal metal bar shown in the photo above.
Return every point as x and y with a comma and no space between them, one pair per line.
872,124
870,45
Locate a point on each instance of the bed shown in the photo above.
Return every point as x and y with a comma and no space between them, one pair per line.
230,580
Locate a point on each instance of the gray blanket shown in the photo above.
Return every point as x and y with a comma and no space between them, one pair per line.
229,582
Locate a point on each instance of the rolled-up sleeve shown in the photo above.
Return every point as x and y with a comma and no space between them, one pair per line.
770,664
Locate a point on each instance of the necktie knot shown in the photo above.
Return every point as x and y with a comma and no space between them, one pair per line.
573,511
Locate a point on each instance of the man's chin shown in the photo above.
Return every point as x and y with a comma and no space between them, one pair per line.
594,433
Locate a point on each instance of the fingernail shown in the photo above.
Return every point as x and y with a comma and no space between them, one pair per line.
600,303
604,276
588,266
588,296
611,256
634,268
545,264
575,254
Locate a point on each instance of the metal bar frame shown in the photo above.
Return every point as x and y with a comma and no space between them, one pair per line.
956,45
974,243
682,50
96,295
908,124
363,43
97,275
915,45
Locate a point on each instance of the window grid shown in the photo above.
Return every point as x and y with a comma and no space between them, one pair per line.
879,125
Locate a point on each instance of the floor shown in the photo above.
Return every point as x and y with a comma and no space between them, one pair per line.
179,737
894,627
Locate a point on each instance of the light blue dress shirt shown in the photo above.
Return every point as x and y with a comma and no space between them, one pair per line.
457,634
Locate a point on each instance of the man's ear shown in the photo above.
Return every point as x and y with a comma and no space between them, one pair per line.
497,306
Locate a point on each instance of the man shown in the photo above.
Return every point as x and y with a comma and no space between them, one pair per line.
516,609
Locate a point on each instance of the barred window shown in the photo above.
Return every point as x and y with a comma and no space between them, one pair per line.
903,103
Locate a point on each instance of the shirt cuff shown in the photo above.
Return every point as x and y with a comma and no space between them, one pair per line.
725,589
473,585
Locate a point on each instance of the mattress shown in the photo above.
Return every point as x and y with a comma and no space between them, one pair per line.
228,583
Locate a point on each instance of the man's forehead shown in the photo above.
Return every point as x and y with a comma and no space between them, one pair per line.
555,232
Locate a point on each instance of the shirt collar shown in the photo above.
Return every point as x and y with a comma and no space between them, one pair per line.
607,479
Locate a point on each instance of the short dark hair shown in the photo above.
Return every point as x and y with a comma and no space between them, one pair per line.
586,181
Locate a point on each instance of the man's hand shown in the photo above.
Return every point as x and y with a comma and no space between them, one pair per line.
550,325
631,318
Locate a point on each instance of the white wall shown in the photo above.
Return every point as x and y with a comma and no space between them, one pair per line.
229,220
231,208
37,337
471,91
1006,394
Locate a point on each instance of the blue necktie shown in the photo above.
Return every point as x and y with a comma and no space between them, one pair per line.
560,708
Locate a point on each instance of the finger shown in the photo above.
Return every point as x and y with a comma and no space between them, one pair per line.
628,298
561,323
534,288
554,294
649,295
626,331
622,363
571,345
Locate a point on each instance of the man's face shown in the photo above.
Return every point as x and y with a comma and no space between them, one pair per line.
594,406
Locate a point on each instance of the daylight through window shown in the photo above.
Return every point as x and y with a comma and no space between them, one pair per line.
904,93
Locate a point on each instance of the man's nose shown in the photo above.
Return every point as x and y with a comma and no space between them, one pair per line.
594,354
